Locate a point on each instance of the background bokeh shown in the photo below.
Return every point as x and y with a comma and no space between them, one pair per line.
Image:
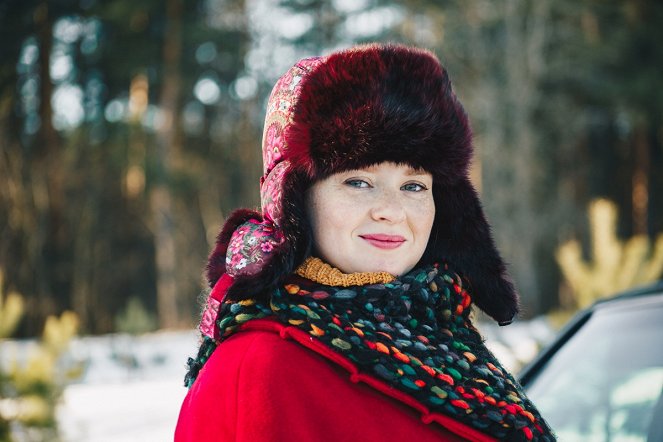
130,129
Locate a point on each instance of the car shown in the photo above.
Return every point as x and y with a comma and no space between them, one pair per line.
601,379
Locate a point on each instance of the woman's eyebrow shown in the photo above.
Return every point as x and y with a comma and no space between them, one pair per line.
417,172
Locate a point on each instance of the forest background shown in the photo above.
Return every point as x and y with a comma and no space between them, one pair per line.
130,129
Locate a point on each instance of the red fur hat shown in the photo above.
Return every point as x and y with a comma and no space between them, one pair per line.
356,108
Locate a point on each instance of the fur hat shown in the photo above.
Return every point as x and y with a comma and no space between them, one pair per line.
356,108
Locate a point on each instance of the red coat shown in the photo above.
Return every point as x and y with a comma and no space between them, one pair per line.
271,382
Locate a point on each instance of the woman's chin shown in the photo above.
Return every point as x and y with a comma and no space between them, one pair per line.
393,268
368,260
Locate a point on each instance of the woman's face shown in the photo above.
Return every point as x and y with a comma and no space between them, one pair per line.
373,219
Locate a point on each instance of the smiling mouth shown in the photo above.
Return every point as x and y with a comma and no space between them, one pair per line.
384,241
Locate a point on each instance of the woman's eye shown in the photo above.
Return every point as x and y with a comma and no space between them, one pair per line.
414,187
357,183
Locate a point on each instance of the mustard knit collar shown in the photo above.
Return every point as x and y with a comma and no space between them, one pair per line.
318,271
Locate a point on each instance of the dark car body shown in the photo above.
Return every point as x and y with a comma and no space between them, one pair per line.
602,378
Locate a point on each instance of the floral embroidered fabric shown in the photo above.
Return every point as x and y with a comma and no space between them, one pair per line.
249,247
280,109
413,333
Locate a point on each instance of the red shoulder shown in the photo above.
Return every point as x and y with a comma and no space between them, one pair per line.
275,380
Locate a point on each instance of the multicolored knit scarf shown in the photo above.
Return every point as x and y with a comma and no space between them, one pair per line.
413,333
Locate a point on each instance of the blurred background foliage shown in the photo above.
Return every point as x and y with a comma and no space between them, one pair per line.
130,129
33,378
614,265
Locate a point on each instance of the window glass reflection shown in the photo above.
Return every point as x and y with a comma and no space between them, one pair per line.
605,383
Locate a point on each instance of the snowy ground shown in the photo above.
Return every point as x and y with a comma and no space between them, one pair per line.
132,387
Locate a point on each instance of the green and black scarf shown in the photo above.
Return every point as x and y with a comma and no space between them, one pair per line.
414,334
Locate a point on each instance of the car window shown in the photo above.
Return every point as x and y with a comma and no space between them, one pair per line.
606,382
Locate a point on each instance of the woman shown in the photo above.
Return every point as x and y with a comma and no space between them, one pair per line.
341,312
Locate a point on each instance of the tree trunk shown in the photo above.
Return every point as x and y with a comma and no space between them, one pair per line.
640,186
46,181
160,196
511,169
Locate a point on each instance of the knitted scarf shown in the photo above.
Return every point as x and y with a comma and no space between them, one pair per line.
414,333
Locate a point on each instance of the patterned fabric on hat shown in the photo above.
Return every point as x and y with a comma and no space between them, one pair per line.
280,111
250,247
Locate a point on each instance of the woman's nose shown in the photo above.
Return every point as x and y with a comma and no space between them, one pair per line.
388,207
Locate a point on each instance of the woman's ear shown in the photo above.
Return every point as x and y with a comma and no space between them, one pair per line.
461,235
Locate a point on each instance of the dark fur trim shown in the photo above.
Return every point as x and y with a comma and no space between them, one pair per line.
380,103
461,236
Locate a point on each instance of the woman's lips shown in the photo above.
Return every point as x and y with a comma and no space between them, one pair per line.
383,241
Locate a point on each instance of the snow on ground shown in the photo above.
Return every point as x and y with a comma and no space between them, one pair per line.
132,388
139,411
517,344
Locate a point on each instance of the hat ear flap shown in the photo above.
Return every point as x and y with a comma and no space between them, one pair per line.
461,235
287,256
216,262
